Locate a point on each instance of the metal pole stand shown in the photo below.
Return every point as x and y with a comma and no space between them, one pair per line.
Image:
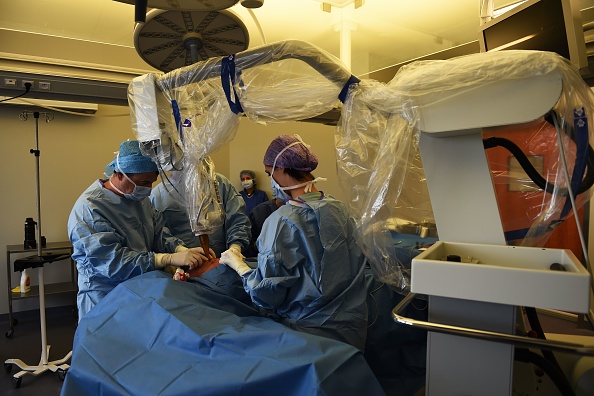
58,366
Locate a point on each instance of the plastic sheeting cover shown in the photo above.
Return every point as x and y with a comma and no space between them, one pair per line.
378,157
186,114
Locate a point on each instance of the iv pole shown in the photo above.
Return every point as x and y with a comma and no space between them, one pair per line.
58,366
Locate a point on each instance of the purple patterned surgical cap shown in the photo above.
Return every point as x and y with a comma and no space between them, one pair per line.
297,157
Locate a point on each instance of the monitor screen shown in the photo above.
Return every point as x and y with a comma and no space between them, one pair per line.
544,25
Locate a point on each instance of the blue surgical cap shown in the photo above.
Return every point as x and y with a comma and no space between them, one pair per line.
131,160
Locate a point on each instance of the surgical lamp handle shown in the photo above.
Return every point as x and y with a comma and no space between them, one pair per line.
485,335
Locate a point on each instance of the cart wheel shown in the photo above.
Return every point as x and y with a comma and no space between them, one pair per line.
8,334
8,367
17,382
62,374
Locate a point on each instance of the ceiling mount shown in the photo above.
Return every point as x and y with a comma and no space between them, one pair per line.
140,6
185,5
173,39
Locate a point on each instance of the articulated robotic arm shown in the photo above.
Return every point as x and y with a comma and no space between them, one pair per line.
182,116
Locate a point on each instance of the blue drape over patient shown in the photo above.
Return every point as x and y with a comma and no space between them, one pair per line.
155,336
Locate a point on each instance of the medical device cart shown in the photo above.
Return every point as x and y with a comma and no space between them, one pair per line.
56,251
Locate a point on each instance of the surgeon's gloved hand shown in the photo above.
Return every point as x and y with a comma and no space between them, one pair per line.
200,251
235,261
182,257
237,250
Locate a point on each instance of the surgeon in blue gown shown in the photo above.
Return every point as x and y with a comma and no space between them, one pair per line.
310,273
234,234
235,231
117,234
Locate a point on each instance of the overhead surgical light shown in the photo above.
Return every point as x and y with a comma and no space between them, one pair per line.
173,39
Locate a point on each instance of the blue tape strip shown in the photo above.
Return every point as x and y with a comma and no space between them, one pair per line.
580,127
228,82
345,89
177,118
515,235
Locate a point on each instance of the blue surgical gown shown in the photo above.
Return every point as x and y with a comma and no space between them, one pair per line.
114,239
310,273
235,230
257,197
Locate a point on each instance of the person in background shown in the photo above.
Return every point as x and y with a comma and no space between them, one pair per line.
116,233
235,232
251,195
257,217
310,273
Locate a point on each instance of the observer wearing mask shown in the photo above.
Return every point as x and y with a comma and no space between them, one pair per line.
310,273
251,195
116,233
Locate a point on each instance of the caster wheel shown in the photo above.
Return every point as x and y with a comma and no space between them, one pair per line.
17,382
8,334
62,374
7,367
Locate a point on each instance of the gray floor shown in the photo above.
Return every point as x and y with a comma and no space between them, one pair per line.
26,346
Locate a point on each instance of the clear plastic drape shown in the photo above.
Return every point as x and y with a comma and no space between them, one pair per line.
379,163
184,115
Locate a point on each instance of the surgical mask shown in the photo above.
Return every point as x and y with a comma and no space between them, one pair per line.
139,193
280,191
247,184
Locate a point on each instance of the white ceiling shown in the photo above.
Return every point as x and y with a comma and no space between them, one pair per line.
385,32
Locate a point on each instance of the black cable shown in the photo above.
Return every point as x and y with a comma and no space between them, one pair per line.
27,89
525,163
535,325
558,378
540,181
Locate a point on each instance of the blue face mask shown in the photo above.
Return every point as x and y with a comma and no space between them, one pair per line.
139,193
277,191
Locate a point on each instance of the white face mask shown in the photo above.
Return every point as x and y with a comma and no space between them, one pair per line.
247,184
